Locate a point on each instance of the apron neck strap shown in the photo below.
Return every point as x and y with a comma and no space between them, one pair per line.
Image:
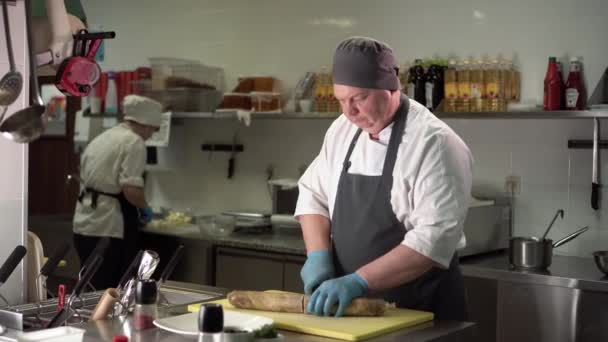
396,137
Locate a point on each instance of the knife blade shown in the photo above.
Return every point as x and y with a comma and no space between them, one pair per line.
595,186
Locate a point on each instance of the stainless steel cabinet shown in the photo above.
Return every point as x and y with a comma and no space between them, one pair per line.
482,303
531,312
237,268
507,311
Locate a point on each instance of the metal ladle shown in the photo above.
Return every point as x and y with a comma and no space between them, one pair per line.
29,123
12,82
558,213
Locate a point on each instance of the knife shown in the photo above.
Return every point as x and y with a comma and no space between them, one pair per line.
595,185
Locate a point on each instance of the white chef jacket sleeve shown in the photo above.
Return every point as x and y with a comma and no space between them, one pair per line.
440,198
133,162
314,184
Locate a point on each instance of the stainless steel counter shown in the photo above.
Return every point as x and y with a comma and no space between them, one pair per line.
433,331
439,331
280,240
565,271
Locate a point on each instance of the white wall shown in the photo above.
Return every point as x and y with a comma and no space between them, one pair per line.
288,38
13,164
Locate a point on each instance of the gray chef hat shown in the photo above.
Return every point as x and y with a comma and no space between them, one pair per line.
365,63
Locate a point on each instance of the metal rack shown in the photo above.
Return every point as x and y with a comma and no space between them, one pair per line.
559,114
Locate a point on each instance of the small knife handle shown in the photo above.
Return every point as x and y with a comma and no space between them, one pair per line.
595,189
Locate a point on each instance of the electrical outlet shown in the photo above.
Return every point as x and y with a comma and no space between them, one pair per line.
513,184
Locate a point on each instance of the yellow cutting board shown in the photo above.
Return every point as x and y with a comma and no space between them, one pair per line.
344,328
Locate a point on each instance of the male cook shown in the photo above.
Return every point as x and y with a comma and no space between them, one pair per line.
112,202
383,204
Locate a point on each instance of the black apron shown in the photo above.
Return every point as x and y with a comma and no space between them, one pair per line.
130,218
364,228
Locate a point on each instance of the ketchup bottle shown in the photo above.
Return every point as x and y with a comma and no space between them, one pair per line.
575,93
553,94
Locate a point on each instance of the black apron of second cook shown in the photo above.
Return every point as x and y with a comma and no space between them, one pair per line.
125,249
364,228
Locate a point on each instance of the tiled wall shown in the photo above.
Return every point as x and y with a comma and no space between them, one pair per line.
287,38
13,164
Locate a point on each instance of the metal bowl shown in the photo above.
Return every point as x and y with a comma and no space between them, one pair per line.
601,260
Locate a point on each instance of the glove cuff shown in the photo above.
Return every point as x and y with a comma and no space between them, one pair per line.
322,253
360,281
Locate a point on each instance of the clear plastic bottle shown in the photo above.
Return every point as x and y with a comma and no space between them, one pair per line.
508,80
145,304
492,80
321,87
515,84
477,86
111,102
450,82
403,76
464,87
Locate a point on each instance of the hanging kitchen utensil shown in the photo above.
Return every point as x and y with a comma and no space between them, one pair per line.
558,213
12,82
78,74
29,123
595,184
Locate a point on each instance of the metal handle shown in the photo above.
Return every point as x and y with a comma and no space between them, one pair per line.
560,212
35,95
570,237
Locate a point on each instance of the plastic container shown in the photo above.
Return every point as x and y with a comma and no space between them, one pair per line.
266,102
163,67
236,101
59,334
182,99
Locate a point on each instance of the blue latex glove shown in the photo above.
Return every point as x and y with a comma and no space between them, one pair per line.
318,267
340,291
145,215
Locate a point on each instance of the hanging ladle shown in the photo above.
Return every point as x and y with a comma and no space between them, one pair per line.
29,123
12,82
558,213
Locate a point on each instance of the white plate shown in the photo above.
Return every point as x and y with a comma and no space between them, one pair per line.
188,324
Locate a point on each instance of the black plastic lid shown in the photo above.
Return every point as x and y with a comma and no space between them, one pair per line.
211,318
145,291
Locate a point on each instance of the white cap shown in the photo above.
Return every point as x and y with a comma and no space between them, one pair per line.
142,110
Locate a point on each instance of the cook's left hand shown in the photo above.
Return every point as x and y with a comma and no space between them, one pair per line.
145,215
340,291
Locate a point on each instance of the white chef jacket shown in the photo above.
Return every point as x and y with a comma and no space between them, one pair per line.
113,159
431,179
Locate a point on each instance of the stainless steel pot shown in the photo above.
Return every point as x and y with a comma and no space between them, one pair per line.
536,253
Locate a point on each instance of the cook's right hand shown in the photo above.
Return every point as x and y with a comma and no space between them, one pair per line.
318,267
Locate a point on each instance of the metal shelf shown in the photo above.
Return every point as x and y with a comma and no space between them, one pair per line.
254,115
560,114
